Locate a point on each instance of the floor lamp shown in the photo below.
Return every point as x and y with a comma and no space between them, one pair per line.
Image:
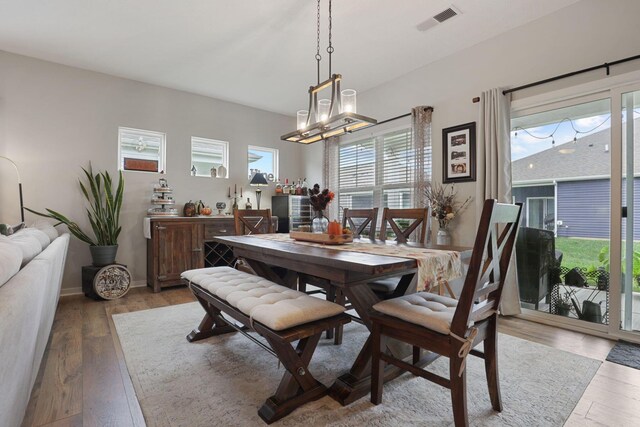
19,186
258,180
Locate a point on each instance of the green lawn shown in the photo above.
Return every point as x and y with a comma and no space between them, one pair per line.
577,252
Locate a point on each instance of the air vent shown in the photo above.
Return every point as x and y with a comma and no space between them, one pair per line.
438,18
444,15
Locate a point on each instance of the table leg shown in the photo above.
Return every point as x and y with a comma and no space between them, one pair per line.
356,383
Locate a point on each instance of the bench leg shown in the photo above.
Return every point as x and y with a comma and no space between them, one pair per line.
298,386
212,323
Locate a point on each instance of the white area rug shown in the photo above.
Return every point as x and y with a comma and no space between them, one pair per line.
222,381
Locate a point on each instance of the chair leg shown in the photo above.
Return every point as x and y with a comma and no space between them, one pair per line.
331,296
377,366
458,392
342,300
491,363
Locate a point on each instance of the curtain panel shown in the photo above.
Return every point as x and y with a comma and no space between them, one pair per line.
494,172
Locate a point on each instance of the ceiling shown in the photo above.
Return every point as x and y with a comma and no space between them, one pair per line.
253,52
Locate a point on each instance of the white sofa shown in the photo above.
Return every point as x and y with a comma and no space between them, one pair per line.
31,267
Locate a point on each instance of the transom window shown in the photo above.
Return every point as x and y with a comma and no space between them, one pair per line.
209,157
141,150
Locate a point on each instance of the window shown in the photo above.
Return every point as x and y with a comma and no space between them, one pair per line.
264,160
209,157
379,171
141,150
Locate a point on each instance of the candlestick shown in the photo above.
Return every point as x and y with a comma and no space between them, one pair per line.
229,193
235,188
240,191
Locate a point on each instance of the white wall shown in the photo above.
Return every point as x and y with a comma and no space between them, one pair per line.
587,33
54,119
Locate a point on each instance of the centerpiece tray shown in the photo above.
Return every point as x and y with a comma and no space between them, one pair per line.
326,239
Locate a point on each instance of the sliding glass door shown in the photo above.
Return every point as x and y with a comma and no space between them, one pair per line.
630,222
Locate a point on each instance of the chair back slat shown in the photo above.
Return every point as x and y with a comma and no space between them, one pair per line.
420,223
253,221
368,217
489,263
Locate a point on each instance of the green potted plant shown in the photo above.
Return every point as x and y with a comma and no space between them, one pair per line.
564,304
103,213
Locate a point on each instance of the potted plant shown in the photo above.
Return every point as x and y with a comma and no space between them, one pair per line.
103,213
564,304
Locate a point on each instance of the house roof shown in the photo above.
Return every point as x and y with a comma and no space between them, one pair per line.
589,157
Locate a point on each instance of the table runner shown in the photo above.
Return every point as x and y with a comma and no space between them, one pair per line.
434,265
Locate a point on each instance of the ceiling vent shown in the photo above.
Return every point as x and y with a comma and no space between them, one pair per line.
438,18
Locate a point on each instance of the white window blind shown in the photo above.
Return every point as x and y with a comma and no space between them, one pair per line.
379,171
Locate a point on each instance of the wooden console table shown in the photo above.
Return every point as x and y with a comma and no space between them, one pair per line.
179,244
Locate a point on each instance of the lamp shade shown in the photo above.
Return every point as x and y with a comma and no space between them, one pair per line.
258,180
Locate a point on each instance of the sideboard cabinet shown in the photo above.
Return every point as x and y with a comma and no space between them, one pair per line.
179,244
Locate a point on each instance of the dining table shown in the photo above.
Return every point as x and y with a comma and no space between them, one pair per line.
348,268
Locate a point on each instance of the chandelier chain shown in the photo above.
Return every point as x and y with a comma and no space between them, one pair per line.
318,56
330,47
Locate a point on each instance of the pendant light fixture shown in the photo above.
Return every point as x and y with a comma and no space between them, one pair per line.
327,117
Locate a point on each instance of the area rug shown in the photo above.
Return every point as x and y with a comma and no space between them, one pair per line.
625,353
224,380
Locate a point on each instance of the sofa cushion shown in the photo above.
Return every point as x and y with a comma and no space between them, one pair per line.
46,228
29,245
10,260
42,237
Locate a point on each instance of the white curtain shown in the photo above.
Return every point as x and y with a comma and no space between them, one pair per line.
494,172
330,171
421,136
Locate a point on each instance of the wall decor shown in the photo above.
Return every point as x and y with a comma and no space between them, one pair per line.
459,153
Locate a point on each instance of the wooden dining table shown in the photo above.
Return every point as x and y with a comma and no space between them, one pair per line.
287,262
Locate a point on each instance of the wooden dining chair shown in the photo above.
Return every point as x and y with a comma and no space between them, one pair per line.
449,327
252,221
361,221
406,225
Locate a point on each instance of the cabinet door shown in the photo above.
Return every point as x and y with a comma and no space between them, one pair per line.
176,249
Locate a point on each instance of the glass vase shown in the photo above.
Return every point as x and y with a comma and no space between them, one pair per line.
443,237
319,223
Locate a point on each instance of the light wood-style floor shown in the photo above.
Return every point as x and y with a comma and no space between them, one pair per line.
83,379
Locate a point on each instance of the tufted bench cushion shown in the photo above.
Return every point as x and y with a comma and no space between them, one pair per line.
273,305
423,308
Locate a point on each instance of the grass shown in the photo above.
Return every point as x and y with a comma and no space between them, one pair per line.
583,253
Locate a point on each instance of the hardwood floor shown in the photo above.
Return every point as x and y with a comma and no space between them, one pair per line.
83,379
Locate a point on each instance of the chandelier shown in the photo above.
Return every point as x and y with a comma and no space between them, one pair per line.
325,118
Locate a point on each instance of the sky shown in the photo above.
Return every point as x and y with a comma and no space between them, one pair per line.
525,143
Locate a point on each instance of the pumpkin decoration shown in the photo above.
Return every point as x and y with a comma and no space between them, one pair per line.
334,228
206,211
189,209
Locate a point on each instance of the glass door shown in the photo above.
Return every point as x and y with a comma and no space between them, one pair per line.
630,225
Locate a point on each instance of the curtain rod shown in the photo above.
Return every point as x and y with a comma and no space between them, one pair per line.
606,65
400,117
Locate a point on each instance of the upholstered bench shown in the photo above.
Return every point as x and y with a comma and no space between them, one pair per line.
281,315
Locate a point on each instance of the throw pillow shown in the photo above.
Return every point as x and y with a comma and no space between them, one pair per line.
10,260
47,228
43,239
7,230
29,245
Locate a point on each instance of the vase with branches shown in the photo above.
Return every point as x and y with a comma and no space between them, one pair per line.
444,207
319,201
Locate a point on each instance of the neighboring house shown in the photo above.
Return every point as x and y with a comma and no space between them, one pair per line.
567,188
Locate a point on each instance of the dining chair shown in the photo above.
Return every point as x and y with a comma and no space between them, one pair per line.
406,225
361,221
449,327
251,221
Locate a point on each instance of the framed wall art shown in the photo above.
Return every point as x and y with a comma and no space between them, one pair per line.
459,153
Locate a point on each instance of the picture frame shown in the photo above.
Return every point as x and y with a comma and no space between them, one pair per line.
459,153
